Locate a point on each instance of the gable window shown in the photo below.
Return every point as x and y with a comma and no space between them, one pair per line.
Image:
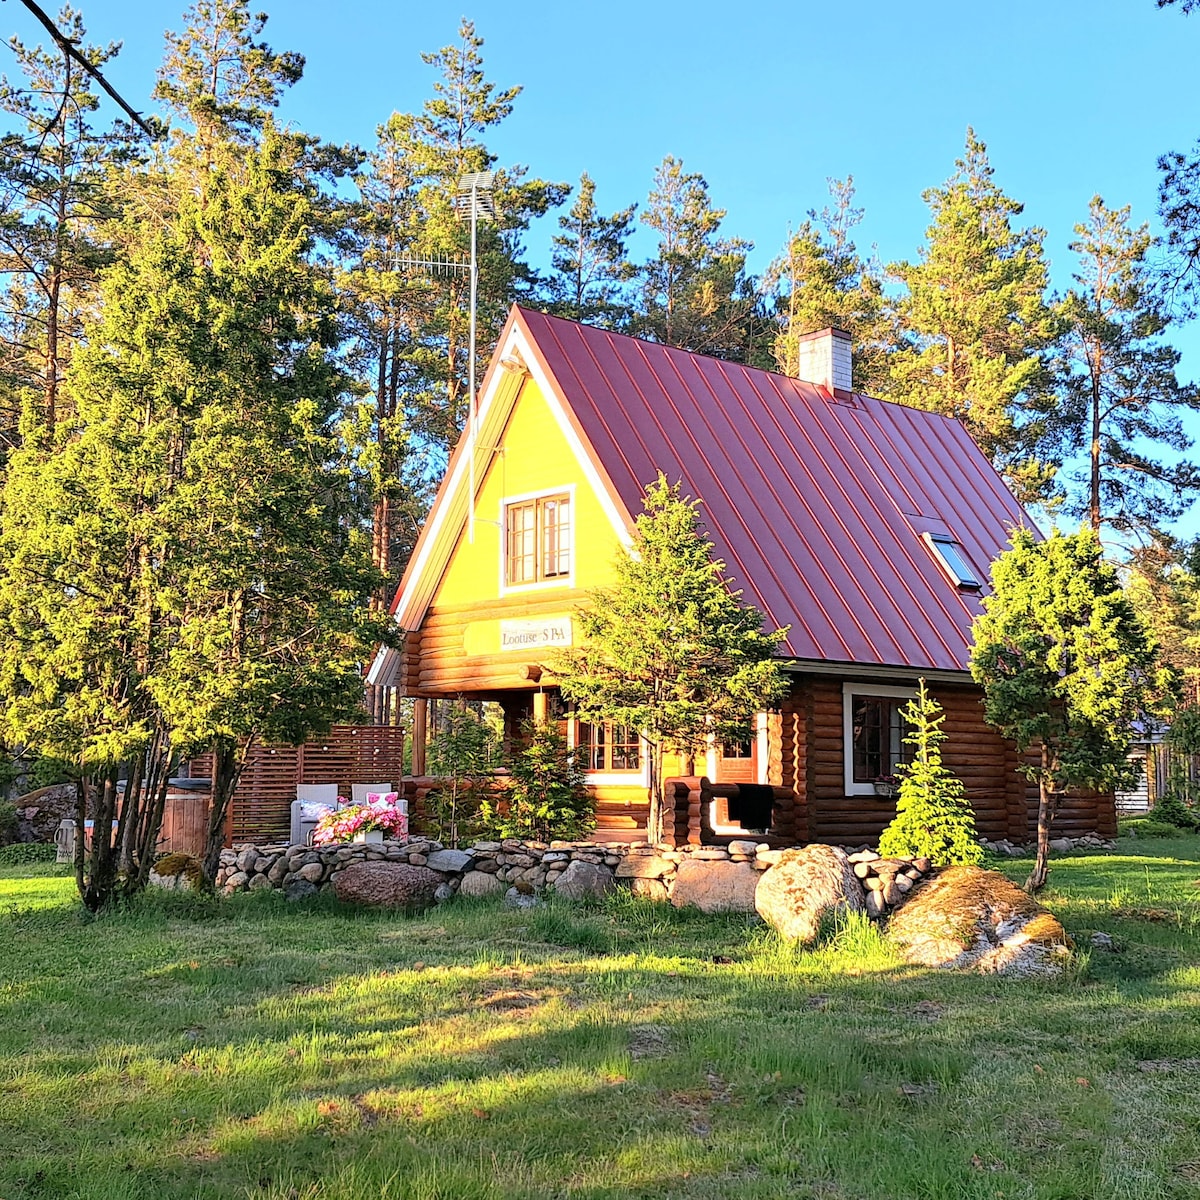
537,540
606,748
950,555
874,733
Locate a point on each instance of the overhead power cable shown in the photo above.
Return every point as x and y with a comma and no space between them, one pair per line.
71,50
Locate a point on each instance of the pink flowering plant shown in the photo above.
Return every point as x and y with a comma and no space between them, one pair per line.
342,825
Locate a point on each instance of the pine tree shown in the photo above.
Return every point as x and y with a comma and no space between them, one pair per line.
976,306
1122,398
440,144
1179,202
933,819
1164,587
59,211
669,650
383,303
820,281
695,291
219,80
1066,666
591,264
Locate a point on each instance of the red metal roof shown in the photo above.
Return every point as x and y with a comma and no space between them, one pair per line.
815,501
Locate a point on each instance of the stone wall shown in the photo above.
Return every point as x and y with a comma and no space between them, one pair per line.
712,878
488,867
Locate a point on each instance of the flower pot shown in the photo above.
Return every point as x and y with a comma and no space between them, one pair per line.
886,789
369,837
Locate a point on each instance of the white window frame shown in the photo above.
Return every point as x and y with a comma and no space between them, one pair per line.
849,691
538,585
635,779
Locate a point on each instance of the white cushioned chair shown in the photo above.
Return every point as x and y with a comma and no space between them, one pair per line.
360,791
311,798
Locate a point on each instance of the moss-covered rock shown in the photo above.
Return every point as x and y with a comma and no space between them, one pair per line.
177,871
967,917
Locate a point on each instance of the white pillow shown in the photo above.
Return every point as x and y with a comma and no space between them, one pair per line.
313,812
387,797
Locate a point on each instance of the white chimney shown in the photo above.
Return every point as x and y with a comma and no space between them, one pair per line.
825,358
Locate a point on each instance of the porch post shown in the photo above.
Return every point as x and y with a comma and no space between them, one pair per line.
541,708
419,728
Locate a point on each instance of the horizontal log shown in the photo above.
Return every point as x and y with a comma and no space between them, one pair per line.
563,600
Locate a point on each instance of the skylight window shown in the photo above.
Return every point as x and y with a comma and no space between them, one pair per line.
949,553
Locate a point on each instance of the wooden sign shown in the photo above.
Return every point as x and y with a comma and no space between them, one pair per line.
533,635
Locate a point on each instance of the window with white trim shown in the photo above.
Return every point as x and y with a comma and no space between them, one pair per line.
606,748
873,734
537,540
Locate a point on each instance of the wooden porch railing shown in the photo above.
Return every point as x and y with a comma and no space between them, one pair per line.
686,809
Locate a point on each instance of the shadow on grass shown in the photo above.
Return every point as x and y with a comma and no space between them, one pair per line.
199,1048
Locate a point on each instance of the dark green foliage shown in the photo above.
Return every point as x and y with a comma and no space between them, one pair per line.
19,854
977,312
821,280
1147,827
8,822
669,650
933,819
546,798
1171,810
1184,734
463,753
1067,665
592,270
696,293
1123,405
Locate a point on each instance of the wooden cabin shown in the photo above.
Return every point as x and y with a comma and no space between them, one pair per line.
864,527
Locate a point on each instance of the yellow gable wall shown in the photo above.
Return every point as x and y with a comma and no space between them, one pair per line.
461,634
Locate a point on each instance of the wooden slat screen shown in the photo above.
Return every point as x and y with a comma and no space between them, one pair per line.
348,754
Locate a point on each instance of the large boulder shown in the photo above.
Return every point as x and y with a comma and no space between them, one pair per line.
449,860
39,813
386,885
713,886
585,881
807,888
479,883
644,866
967,917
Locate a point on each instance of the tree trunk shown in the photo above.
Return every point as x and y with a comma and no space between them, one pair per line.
1094,479
654,818
80,818
100,876
1047,803
228,760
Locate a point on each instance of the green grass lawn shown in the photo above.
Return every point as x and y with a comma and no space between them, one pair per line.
248,1048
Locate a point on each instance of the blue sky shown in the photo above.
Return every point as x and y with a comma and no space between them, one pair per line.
766,100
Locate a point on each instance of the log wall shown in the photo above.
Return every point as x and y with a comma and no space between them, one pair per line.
1005,801
436,660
